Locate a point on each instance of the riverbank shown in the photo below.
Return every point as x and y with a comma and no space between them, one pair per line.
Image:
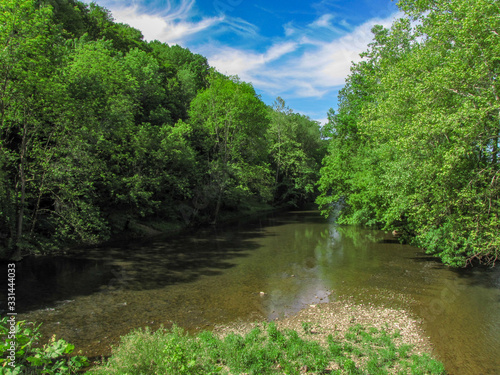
338,337
336,318
124,230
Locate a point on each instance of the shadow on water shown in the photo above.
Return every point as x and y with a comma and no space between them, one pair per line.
482,276
479,275
423,258
45,281
261,269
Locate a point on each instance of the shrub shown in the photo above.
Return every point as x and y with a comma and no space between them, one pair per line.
20,355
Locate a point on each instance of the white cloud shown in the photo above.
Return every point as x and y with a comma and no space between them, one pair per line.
307,62
302,66
323,121
232,61
170,24
278,50
323,21
240,26
345,24
289,29
245,64
180,31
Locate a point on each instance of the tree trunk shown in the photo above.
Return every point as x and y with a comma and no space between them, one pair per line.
217,206
22,180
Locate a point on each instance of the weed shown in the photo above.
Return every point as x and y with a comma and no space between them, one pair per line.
307,327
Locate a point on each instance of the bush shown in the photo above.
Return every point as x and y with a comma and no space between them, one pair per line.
20,355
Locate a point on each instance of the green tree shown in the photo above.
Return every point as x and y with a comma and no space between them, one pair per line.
99,128
184,74
348,168
446,95
295,148
151,92
428,127
69,14
100,25
28,51
85,180
229,120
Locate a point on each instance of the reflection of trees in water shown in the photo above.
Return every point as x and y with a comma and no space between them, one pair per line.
345,255
360,237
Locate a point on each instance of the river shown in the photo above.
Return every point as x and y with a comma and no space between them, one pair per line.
216,276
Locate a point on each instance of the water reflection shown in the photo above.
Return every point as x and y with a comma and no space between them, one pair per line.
267,269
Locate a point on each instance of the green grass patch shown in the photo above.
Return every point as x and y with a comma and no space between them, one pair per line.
265,350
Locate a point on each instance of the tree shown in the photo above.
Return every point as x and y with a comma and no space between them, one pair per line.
229,120
349,168
100,25
184,75
295,151
446,93
28,51
99,128
429,127
151,92
94,158
69,14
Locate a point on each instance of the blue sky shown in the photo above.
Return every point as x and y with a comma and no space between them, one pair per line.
295,49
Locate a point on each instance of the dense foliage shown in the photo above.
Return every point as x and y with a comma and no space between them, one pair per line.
27,356
100,129
415,143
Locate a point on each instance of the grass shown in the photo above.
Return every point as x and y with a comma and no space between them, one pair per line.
265,350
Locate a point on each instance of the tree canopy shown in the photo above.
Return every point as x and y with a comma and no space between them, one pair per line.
415,142
100,130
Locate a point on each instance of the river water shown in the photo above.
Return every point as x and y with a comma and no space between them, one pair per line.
216,276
